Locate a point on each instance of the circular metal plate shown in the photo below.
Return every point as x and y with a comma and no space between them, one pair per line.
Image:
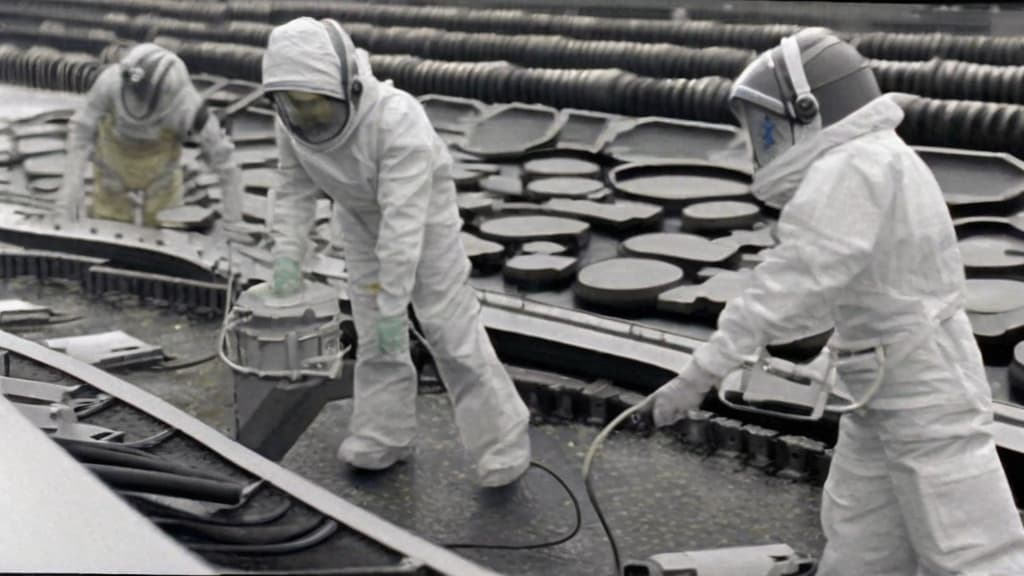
626,283
720,216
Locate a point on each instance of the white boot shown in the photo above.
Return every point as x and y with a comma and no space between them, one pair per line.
371,455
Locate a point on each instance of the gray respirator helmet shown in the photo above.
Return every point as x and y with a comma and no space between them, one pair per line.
318,118
146,83
809,81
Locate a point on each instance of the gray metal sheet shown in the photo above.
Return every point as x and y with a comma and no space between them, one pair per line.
60,518
35,390
16,310
108,349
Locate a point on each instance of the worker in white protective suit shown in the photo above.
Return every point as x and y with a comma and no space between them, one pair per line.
133,123
371,148
865,237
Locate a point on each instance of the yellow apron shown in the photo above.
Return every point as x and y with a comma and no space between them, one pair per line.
124,166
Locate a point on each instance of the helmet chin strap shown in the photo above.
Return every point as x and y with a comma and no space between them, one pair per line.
145,77
804,107
345,50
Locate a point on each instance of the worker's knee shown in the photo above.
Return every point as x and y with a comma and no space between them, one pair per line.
454,311
165,191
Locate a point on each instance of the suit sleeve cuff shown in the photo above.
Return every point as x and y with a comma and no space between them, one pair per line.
712,363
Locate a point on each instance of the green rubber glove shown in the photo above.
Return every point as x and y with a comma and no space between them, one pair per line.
287,277
392,334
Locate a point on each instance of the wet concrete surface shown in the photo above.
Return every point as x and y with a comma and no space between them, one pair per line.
658,496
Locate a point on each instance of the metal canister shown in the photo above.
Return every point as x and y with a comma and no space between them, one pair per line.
292,337
286,357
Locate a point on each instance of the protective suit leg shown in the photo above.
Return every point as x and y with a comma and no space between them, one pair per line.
166,191
110,199
337,244
859,513
493,420
383,425
124,165
933,425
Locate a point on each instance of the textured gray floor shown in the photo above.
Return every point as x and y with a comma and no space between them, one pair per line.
657,495
203,391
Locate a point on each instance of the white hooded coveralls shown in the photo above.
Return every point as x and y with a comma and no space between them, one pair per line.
389,175
866,239
175,112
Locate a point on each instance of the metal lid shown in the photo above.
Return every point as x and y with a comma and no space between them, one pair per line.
322,300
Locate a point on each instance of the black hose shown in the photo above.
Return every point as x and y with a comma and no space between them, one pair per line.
612,543
325,531
97,454
562,540
112,446
153,508
182,364
640,416
166,484
250,535
152,441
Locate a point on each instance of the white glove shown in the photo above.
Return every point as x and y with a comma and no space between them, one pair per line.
67,207
71,196
683,393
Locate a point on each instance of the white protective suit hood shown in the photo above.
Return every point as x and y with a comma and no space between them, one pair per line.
302,56
164,76
775,183
390,177
867,245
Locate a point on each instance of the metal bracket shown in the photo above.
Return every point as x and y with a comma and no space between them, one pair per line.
107,350
36,390
61,421
765,560
16,311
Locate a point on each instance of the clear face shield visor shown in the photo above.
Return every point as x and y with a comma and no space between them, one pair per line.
768,134
143,86
313,118
766,118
